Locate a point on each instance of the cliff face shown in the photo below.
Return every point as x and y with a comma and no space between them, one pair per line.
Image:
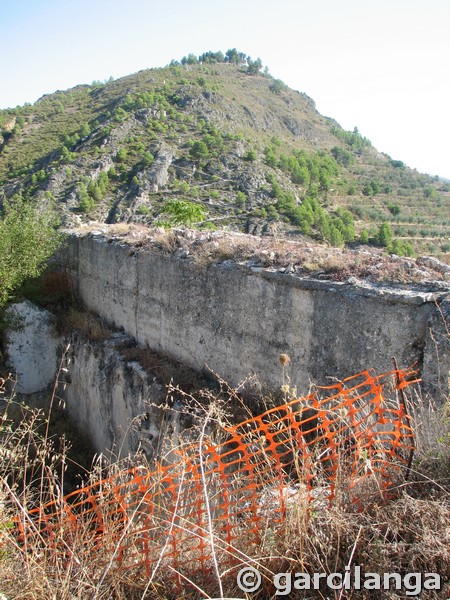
236,319
32,346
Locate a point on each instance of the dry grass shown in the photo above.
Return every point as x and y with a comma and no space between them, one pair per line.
304,257
88,324
408,533
166,369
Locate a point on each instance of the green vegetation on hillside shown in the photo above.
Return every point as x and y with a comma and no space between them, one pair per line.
182,212
243,146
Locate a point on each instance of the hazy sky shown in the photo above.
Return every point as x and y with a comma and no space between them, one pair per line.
380,65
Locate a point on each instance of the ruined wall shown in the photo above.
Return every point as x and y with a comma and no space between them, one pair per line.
112,399
237,319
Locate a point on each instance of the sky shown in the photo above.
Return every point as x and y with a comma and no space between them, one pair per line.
380,65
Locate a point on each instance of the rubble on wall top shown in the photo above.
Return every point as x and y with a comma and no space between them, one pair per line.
363,267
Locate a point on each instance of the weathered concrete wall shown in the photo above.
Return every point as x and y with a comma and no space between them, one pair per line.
237,319
113,400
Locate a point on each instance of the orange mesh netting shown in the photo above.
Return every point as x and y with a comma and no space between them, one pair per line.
232,488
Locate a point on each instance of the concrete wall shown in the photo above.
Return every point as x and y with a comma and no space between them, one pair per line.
237,320
112,400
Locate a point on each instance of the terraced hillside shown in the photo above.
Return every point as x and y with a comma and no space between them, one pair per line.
216,143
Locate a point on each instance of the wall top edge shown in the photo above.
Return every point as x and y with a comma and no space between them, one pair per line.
208,251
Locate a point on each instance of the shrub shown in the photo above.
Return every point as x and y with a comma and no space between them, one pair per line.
199,151
241,199
147,159
122,154
86,202
250,156
184,187
183,212
394,209
431,192
372,188
28,237
364,236
352,189
277,86
270,157
272,213
342,156
385,235
401,248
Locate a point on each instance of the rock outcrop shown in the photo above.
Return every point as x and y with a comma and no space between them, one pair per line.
32,347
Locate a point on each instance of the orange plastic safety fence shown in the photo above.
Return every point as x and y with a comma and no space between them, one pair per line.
223,494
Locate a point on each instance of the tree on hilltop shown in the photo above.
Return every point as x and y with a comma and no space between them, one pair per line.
190,59
212,57
232,56
254,66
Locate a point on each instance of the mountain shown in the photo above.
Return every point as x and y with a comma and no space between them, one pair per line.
217,142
